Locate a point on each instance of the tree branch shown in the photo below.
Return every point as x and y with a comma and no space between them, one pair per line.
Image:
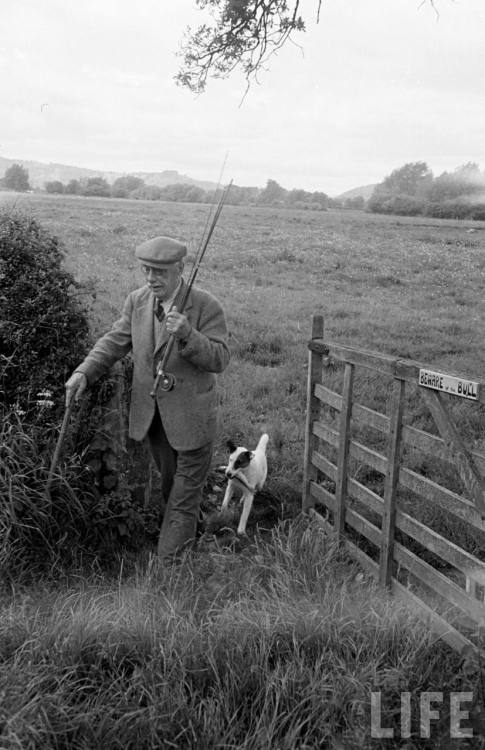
244,34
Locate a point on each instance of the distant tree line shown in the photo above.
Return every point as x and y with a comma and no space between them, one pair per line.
128,186
133,187
412,190
357,202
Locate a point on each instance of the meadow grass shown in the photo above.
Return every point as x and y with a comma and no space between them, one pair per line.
279,649
280,644
409,287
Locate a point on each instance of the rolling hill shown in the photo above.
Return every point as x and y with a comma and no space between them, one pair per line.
40,173
365,191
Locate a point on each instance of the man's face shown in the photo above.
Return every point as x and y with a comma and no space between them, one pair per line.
163,281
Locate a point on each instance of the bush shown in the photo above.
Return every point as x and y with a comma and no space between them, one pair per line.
477,211
123,186
97,187
73,187
147,193
404,205
453,209
54,186
43,326
449,209
401,205
376,202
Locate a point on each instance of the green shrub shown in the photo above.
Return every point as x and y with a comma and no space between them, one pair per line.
377,201
43,337
477,211
403,205
77,520
456,209
43,325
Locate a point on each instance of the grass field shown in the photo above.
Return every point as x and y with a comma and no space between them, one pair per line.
278,646
407,287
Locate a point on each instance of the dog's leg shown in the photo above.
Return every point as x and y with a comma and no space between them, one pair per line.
228,494
248,501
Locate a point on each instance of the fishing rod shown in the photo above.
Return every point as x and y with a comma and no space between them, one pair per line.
163,380
58,448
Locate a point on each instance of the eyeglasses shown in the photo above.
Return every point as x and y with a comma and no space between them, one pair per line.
158,272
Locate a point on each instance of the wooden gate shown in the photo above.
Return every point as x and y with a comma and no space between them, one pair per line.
420,535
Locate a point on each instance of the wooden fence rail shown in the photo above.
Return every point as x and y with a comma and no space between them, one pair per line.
407,528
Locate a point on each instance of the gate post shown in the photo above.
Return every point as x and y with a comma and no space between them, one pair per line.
315,369
392,478
343,450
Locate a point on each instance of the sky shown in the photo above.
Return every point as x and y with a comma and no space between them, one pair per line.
374,85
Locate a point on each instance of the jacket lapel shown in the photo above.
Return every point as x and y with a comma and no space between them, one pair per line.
145,317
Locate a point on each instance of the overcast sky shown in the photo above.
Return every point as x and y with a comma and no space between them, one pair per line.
376,84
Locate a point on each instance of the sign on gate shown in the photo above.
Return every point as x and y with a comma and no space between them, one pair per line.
448,384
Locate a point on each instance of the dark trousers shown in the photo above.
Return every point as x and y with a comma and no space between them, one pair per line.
183,477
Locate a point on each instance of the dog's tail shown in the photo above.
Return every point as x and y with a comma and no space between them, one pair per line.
263,442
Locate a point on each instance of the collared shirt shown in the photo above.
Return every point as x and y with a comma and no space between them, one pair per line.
167,303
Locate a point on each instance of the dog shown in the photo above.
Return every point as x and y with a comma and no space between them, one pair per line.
246,471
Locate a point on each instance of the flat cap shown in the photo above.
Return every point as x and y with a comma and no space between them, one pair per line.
160,251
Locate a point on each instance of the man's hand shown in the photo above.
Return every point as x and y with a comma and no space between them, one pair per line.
75,387
178,324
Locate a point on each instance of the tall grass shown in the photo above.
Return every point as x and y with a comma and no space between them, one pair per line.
281,653
40,529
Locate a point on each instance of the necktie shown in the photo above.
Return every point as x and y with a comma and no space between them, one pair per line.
158,310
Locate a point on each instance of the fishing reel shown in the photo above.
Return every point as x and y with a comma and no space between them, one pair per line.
164,381
167,381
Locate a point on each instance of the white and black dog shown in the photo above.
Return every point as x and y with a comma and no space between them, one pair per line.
246,471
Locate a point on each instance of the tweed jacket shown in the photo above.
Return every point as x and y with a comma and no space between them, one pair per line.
189,411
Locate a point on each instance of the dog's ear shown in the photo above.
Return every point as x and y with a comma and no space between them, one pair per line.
243,459
230,444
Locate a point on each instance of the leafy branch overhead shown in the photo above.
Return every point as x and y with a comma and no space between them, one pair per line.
242,34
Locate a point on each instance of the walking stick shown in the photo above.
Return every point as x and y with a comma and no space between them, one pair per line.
60,441
163,380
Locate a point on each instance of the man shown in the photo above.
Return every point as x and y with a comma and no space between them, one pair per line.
180,424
